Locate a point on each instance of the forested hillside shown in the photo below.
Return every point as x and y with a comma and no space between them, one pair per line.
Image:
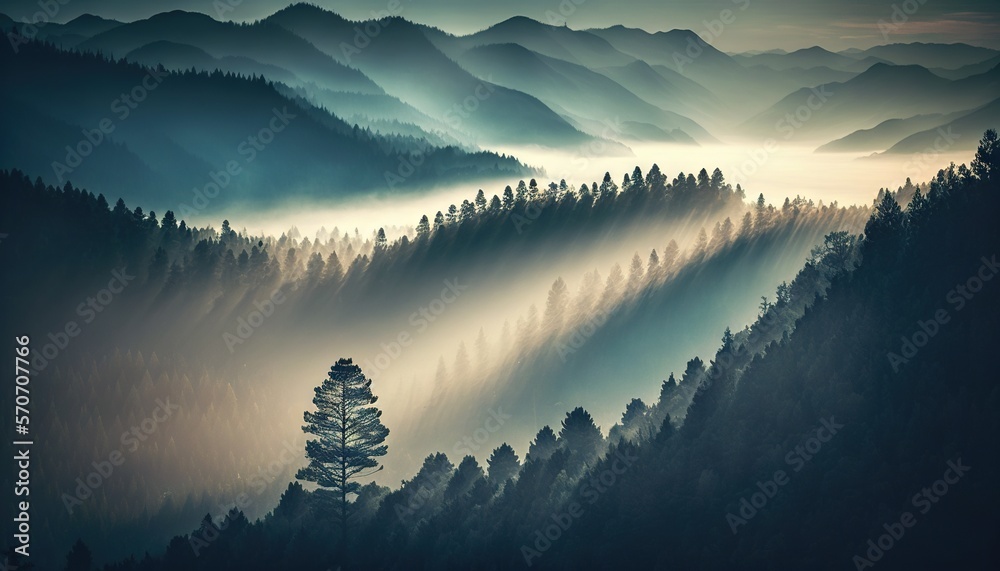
870,418
805,421
168,332
162,137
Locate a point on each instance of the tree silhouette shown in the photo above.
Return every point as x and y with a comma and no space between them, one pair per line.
544,445
581,437
467,474
79,558
350,433
984,166
503,464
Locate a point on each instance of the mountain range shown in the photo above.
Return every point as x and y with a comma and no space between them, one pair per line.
409,88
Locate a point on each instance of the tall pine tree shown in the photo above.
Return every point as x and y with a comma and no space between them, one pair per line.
350,434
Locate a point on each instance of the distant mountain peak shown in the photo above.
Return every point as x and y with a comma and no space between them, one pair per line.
88,18
306,9
520,18
887,73
181,16
678,32
885,67
519,21
812,50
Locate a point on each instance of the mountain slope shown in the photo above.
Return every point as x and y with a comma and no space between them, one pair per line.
559,42
955,134
885,134
666,89
261,42
185,127
881,93
684,52
595,96
805,58
401,59
948,56
180,57
968,70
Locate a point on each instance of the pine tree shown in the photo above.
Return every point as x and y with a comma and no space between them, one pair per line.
984,166
350,434
508,198
543,446
884,230
746,227
467,474
760,214
503,464
634,425
581,437
653,267
556,305
638,184
717,181
468,211
423,227
635,273
701,243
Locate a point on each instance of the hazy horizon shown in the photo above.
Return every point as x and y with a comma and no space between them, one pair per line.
834,26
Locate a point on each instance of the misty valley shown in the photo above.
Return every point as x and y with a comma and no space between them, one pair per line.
310,289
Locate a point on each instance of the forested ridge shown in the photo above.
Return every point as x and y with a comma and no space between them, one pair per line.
145,148
893,433
208,275
768,386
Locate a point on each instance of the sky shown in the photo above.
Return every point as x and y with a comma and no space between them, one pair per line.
752,24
